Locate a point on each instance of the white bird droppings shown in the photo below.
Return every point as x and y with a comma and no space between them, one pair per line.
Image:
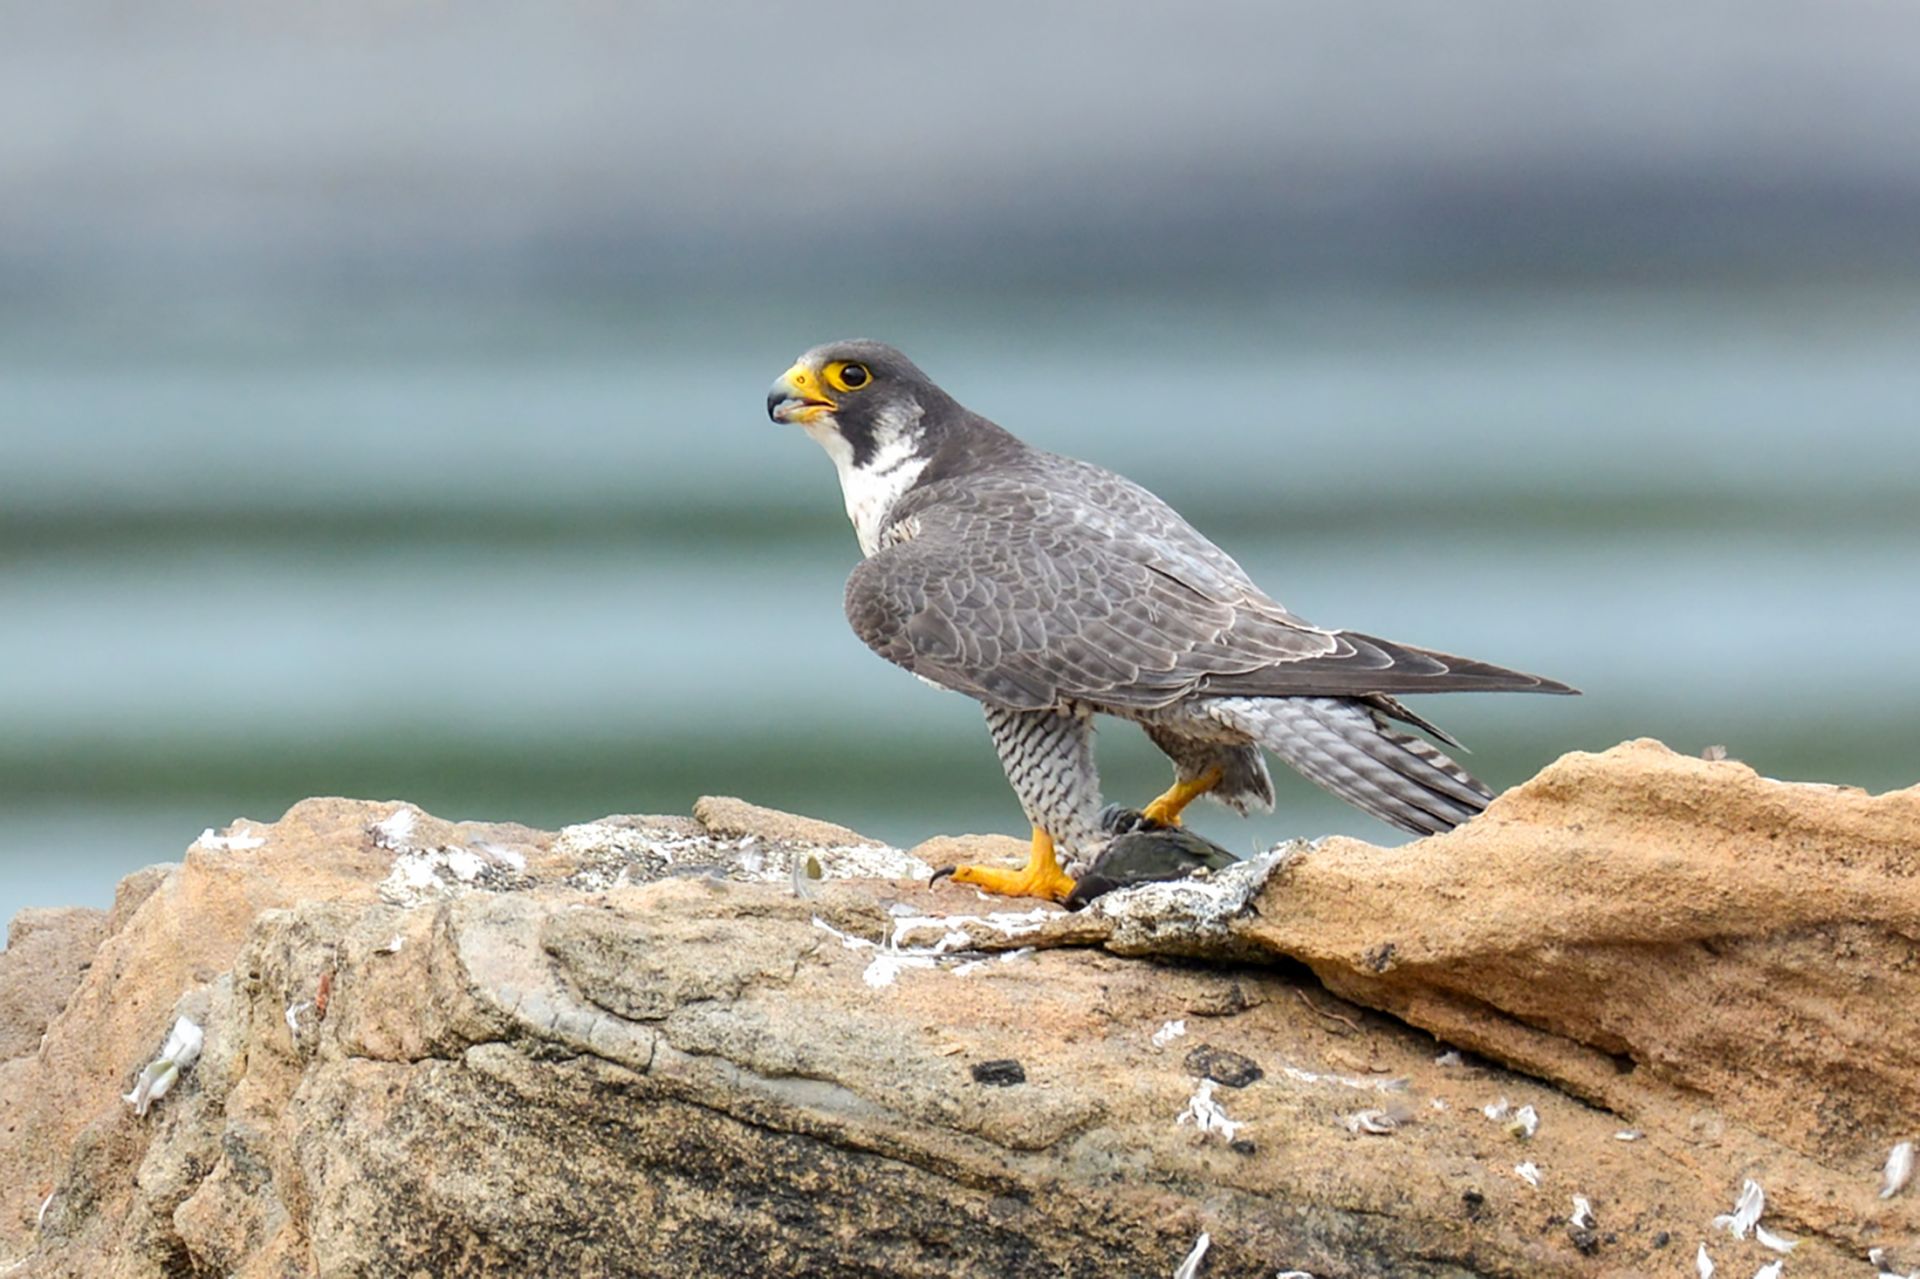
182,1049
1899,1170
1345,1081
1746,1211
1206,1114
1191,1266
1375,1122
1878,1256
396,828
239,841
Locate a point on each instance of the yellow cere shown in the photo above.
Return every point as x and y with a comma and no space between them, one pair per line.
805,386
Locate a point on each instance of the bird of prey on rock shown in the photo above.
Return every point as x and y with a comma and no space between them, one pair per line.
1051,590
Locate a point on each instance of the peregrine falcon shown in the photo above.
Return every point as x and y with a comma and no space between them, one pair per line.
1050,590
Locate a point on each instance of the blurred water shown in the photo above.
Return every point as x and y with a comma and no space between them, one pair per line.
542,557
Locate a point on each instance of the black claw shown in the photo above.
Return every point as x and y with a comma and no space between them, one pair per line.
941,874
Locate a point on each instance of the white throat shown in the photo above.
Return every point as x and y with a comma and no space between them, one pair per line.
872,490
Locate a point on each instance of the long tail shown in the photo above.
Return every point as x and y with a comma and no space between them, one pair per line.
1349,747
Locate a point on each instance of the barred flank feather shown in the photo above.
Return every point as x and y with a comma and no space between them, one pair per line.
1048,758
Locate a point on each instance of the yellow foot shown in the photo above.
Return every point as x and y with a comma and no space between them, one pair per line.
1040,877
1169,806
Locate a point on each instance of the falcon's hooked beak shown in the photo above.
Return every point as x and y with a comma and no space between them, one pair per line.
798,397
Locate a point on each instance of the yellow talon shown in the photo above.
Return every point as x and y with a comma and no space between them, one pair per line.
1040,877
1168,807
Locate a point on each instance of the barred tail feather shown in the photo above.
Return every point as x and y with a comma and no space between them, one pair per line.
1349,747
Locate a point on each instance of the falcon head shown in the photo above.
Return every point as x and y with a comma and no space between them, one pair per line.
860,400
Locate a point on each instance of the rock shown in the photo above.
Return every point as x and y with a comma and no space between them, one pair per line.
1002,1072
725,817
134,890
47,952
943,851
1223,1066
630,1048
1651,930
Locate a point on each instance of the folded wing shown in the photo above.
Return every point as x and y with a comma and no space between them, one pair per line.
1018,596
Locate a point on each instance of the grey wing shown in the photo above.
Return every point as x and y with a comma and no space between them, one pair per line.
1031,616
1024,596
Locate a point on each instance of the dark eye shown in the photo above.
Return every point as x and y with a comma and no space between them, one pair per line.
855,376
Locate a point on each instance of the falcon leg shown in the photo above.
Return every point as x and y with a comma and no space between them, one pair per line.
1048,756
1169,806
1040,877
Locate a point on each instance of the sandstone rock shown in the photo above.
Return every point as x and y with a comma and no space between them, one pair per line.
47,951
725,817
943,851
631,1049
1643,926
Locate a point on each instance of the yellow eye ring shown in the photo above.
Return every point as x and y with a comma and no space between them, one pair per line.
847,375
